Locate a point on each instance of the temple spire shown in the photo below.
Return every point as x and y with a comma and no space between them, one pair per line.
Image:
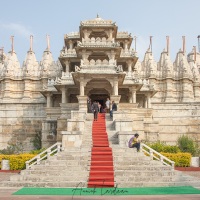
167,38
183,38
31,43
48,43
1,54
135,40
12,44
150,45
195,54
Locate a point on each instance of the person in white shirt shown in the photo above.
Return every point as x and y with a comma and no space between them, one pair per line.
108,105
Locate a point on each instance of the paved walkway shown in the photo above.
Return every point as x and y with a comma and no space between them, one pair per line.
6,194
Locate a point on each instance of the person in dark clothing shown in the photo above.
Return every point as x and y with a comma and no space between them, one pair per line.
113,108
89,105
95,109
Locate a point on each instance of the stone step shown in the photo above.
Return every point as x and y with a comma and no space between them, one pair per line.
138,179
154,184
68,162
60,167
63,184
73,157
57,172
140,169
49,178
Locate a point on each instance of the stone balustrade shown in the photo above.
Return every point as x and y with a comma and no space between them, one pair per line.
97,22
127,53
72,35
124,34
98,63
68,53
98,69
98,42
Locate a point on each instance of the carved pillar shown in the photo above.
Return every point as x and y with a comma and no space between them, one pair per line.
133,95
66,65
126,45
70,44
148,101
49,100
82,89
129,63
64,95
145,102
115,87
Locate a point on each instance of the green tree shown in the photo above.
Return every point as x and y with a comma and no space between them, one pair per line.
187,144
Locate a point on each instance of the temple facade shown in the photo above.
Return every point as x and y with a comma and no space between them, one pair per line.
159,100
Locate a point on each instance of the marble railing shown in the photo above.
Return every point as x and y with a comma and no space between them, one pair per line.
98,68
157,156
73,35
68,53
127,53
98,62
97,22
123,35
53,150
98,42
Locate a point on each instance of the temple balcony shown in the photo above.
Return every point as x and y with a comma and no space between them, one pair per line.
72,35
99,66
127,53
68,53
98,42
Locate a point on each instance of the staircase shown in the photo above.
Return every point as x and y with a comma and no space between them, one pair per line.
101,168
99,162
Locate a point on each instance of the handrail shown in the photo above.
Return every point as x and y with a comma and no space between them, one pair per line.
43,155
154,154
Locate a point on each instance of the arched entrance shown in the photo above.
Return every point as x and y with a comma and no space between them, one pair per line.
99,90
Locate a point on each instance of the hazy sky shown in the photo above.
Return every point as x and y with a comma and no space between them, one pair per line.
143,18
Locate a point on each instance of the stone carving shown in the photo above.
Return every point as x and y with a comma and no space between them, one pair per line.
119,68
77,68
58,80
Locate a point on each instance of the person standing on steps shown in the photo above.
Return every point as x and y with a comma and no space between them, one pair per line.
95,110
134,142
107,105
113,107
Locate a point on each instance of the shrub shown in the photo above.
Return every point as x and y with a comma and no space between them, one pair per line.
17,162
162,147
180,159
187,144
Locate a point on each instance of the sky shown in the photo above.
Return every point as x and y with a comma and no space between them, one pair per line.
141,18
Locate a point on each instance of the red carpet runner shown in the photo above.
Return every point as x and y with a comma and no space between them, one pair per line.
101,169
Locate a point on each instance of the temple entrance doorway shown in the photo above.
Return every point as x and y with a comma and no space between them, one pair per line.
99,95
99,90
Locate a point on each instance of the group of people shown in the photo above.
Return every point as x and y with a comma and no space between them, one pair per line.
96,107
110,107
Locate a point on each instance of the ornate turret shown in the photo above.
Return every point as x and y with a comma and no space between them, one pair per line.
49,69
11,65
30,64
